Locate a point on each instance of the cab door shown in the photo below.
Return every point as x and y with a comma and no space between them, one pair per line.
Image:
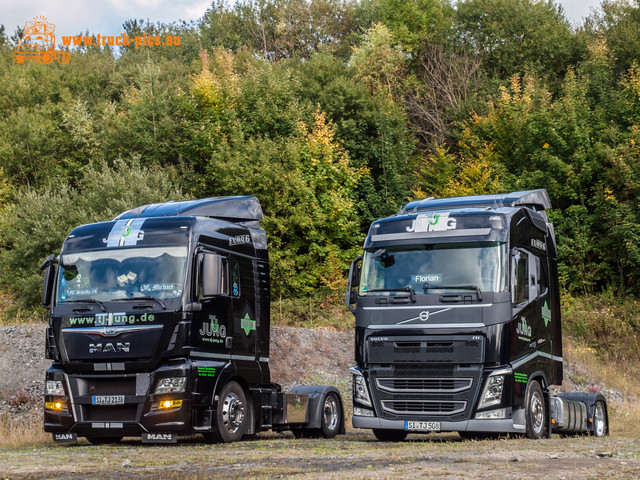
213,324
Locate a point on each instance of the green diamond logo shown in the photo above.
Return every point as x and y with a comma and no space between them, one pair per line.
247,324
546,314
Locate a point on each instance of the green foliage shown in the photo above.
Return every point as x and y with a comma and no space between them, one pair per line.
518,35
37,222
251,136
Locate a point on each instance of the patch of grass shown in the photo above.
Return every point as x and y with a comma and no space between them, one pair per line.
22,432
603,333
321,312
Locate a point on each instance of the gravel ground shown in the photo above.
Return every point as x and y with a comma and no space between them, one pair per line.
298,355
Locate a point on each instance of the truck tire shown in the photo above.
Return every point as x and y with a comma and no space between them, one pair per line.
231,415
331,416
535,411
389,435
600,420
103,440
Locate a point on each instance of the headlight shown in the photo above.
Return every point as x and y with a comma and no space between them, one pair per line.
360,391
493,389
171,385
53,387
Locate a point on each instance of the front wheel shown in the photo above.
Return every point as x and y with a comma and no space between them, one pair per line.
231,415
535,412
390,435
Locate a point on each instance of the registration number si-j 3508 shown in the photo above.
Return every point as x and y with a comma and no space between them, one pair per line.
422,426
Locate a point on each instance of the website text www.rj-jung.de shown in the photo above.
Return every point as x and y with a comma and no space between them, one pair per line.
120,40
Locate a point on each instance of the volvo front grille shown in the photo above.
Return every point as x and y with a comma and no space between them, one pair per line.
424,385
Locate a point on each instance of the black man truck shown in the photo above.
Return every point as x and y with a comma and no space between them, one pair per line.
159,327
457,311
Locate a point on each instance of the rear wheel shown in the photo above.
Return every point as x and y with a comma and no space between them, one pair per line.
331,416
535,411
390,435
103,440
600,420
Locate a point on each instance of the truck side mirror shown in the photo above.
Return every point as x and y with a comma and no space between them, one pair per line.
49,267
214,275
353,282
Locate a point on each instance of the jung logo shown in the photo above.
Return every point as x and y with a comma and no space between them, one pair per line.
109,347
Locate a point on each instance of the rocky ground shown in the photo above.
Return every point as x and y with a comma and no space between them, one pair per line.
298,355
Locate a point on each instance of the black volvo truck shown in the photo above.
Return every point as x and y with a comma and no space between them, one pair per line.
457,311
159,326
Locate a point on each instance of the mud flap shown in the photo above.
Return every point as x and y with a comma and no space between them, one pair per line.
65,437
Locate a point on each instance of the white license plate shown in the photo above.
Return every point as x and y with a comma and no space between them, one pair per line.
422,426
108,400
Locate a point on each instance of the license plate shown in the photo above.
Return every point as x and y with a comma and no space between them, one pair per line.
108,400
422,426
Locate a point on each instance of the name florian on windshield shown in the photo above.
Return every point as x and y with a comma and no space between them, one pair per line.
112,319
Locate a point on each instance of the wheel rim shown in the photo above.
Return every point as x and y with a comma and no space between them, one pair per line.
232,412
331,412
599,420
537,412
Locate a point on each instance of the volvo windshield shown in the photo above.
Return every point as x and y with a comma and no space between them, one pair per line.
108,275
449,268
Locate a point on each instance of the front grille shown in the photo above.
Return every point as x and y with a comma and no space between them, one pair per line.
417,377
422,407
424,385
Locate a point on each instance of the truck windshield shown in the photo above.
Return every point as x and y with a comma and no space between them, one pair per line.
450,267
107,275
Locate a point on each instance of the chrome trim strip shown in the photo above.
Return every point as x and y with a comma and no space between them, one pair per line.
424,390
222,356
397,412
427,325
111,331
521,361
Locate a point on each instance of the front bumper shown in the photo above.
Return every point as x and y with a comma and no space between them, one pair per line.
137,415
516,424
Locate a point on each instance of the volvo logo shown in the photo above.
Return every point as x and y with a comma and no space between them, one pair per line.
424,316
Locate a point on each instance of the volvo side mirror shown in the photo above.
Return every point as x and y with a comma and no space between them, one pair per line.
353,282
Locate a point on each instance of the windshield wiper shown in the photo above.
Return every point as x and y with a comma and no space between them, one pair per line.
412,294
87,300
135,299
426,287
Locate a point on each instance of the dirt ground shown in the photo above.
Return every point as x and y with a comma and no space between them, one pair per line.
298,356
353,456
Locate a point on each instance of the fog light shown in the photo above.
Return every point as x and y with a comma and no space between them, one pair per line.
362,412
500,413
56,406
169,404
